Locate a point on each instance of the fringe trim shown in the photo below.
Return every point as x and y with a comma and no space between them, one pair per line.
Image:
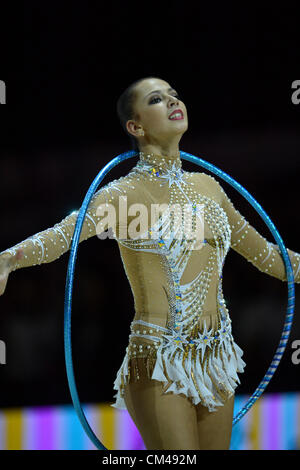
209,380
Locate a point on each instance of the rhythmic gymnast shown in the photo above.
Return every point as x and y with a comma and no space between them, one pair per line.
180,368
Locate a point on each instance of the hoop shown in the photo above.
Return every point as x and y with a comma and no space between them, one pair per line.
70,277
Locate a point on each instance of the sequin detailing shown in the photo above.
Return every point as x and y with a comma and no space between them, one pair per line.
183,338
181,330
202,367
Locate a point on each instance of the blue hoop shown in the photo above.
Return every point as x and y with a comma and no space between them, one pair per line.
70,277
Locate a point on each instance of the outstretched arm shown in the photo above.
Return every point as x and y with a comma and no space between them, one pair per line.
50,244
264,255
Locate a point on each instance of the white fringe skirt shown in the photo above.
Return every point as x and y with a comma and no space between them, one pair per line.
203,367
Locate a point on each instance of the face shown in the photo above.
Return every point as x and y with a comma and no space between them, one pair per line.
155,101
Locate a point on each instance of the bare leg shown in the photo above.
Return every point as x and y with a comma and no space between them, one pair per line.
214,428
165,421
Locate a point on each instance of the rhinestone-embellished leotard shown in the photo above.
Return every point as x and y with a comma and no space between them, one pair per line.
181,329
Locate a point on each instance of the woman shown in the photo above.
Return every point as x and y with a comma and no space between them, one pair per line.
179,373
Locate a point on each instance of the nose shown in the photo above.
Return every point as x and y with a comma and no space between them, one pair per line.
173,100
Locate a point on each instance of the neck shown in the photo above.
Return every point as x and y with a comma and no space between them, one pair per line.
161,160
166,147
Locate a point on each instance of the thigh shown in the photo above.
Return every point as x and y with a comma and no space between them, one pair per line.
164,420
214,428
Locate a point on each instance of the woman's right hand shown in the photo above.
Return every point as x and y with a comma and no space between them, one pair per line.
7,263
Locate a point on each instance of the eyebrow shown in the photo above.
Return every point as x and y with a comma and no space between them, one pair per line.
158,91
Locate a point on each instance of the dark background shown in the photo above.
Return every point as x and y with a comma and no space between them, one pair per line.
65,65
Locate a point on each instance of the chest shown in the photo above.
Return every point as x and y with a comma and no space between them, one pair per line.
188,205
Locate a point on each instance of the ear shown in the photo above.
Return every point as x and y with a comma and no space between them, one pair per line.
133,128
